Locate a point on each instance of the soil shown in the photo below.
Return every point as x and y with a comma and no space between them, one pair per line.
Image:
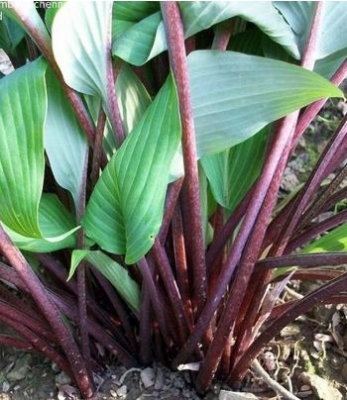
309,357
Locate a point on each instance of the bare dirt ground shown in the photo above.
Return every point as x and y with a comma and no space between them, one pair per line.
309,358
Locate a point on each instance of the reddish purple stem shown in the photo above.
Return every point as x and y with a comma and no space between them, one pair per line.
177,52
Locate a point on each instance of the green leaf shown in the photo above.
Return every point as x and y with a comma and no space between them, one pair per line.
328,66
114,272
80,35
23,104
204,201
125,210
248,42
202,15
26,15
76,257
51,13
141,41
65,142
273,50
56,224
132,96
235,95
10,34
335,240
134,11
126,13
332,31
133,100
232,172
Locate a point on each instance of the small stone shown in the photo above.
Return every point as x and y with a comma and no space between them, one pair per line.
122,391
5,386
226,395
55,368
305,388
20,369
172,375
336,362
290,181
187,393
69,391
179,382
61,395
159,380
290,330
147,377
187,377
62,379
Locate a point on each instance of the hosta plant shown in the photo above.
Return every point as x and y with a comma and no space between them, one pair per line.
143,145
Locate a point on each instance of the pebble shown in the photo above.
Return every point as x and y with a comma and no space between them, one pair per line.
336,362
147,377
62,379
226,395
5,386
289,182
187,393
55,368
122,391
20,371
159,379
179,382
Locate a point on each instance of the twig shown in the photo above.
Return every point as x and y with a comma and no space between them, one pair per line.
271,382
292,293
